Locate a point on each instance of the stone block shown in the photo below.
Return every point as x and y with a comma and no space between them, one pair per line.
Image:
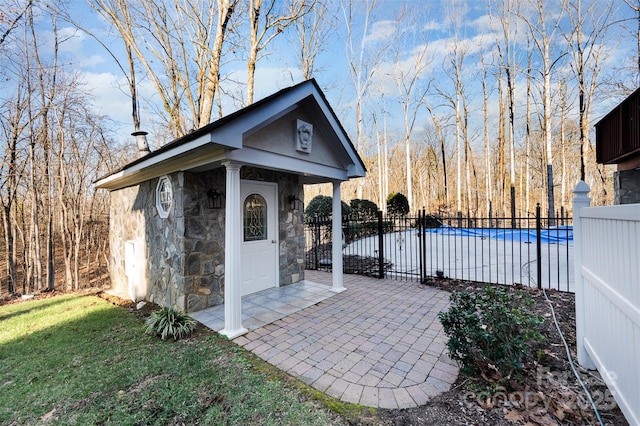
207,267
187,285
194,228
193,264
215,300
196,302
219,271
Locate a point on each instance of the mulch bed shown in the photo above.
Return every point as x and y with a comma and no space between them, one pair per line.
550,394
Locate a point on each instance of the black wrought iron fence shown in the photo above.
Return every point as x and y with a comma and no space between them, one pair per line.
532,251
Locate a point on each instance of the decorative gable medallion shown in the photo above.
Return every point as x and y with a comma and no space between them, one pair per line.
304,136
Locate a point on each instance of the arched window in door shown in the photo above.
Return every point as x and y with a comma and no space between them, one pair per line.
255,218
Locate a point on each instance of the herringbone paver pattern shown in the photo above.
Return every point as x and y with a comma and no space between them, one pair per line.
378,344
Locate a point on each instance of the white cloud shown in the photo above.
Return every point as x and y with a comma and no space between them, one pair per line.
71,39
482,23
109,98
434,26
381,30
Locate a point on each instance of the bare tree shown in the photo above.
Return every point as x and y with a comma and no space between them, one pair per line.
586,41
527,136
382,157
487,144
12,20
364,55
13,125
443,154
266,22
543,35
310,32
180,46
128,70
365,52
506,52
635,6
456,59
43,182
501,166
408,72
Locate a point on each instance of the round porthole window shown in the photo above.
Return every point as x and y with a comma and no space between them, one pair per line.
164,196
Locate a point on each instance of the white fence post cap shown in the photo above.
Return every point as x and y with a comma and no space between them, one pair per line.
581,188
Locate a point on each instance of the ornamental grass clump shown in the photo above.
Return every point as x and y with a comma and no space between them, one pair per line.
490,331
170,323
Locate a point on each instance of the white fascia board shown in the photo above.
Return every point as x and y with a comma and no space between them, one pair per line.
106,182
358,168
270,160
177,162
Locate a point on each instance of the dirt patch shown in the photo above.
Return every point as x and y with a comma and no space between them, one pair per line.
550,394
44,294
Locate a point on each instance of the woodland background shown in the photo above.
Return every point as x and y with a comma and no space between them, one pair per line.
466,107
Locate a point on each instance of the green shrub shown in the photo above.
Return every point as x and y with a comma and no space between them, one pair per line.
169,322
489,331
397,204
363,209
322,206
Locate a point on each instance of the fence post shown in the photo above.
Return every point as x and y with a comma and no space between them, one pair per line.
538,245
581,199
421,226
380,246
316,232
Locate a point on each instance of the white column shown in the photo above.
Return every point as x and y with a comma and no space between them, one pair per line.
232,234
580,199
336,238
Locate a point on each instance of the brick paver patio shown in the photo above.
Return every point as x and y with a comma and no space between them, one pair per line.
379,343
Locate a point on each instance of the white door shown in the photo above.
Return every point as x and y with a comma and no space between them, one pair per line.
133,266
259,251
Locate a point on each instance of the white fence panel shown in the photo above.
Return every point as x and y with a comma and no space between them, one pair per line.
608,299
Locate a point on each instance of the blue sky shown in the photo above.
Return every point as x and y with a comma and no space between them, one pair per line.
432,28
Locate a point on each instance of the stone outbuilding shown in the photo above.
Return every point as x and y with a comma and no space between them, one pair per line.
218,213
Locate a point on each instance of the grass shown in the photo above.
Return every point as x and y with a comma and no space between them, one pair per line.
81,360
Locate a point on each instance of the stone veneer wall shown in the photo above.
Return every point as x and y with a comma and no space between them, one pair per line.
204,230
626,187
185,251
134,216
125,224
291,226
204,242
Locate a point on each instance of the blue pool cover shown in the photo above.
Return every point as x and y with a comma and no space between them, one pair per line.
559,234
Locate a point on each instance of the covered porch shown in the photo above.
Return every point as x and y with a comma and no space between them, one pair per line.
268,306
217,214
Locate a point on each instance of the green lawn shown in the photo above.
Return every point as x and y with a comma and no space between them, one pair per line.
81,360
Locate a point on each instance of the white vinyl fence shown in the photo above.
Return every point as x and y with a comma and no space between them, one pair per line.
607,287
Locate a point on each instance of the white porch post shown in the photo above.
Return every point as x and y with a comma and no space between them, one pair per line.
232,232
580,199
336,261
